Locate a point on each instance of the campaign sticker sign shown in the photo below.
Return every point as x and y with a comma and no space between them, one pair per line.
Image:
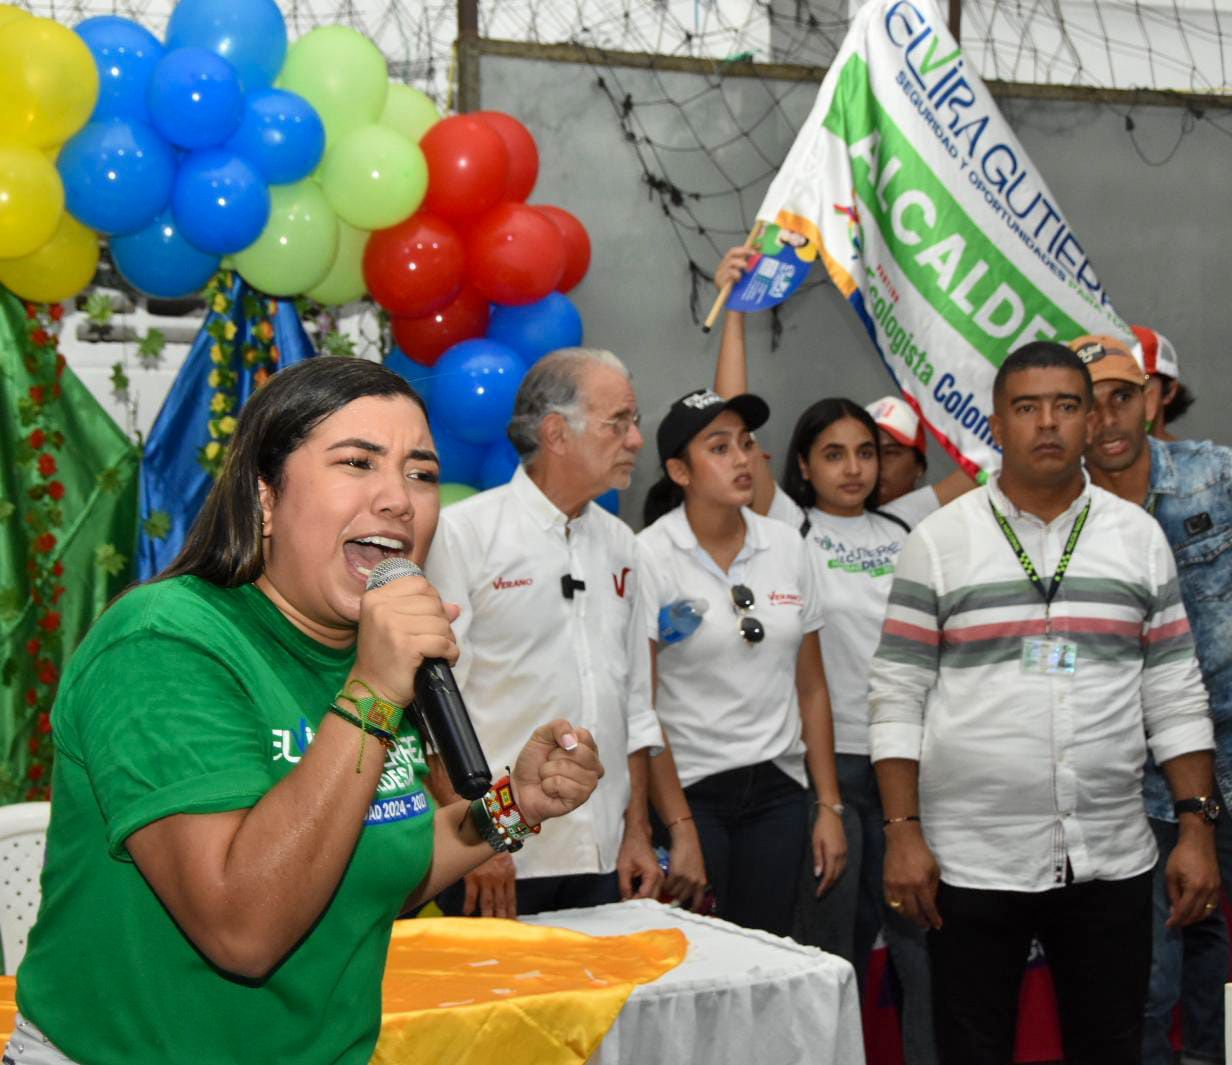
773,275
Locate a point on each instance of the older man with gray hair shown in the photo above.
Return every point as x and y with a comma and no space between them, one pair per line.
550,624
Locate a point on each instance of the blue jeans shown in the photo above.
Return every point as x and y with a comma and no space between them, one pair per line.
1187,964
846,921
753,825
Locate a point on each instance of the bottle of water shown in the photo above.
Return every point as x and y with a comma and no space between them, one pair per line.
679,620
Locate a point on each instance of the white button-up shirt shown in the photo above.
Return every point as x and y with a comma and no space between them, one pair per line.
726,703
1021,771
530,655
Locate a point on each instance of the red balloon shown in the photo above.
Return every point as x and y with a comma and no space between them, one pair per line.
415,267
515,254
426,339
468,166
577,245
523,154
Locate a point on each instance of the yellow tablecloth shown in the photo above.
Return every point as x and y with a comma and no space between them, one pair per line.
464,990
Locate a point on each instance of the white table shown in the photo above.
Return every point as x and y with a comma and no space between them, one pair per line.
740,997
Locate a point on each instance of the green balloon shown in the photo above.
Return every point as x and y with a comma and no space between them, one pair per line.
409,111
345,281
455,493
374,177
341,73
298,245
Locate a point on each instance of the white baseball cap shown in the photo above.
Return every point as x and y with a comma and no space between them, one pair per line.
895,416
1158,354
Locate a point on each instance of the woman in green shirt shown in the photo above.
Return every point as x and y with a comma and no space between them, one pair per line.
226,856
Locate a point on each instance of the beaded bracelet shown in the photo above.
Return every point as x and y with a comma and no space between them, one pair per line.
498,820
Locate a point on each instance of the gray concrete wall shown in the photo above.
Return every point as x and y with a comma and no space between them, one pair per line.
1158,234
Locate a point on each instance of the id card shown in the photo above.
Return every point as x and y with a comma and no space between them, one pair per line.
1049,654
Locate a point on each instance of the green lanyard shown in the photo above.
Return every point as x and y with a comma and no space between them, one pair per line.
1028,566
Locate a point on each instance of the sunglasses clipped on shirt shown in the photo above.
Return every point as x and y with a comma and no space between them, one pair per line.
751,630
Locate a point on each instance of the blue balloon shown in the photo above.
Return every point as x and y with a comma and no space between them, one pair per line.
499,465
195,99
534,329
126,55
281,135
158,260
220,202
610,501
250,34
460,461
117,175
421,377
476,382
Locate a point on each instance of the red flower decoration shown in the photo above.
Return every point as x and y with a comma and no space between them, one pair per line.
45,542
56,311
56,490
31,697
50,621
34,744
37,439
36,771
31,310
33,647
58,593
37,394
58,569
48,674
41,337
43,724
47,464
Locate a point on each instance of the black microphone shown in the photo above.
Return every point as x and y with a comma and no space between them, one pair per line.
439,704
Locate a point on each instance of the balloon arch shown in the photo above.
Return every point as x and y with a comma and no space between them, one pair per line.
305,169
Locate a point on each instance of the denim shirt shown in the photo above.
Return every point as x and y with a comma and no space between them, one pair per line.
1191,496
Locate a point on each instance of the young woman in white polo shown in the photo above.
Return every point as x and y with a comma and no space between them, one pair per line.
829,496
743,698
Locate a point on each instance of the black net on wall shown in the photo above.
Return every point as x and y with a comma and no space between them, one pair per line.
709,93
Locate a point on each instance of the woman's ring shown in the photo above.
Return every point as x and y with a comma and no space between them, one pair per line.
894,904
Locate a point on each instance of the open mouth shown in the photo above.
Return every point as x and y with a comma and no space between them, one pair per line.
365,552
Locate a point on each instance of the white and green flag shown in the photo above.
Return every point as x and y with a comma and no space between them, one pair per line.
933,222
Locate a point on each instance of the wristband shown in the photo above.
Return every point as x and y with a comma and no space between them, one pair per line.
378,712
498,820
384,738
899,820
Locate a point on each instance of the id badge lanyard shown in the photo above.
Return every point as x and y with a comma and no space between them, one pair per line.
1028,567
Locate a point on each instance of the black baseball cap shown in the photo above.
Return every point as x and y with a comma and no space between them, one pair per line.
690,414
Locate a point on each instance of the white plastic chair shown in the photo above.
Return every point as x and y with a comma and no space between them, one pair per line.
23,833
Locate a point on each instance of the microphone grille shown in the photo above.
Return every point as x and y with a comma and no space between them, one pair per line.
392,569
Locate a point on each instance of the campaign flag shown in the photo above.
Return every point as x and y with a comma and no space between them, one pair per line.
931,219
174,483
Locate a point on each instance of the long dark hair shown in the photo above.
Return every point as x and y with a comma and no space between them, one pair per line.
809,426
224,544
664,495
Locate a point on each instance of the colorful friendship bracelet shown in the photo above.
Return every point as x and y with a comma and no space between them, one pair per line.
378,712
386,739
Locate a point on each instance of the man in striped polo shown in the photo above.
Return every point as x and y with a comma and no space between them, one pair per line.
1034,644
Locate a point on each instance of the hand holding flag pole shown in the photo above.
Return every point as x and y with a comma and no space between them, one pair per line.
720,301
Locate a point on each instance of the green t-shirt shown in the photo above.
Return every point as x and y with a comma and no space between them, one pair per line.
189,698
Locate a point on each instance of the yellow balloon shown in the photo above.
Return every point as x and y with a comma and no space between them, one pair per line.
9,13
31,199
59,269
48,82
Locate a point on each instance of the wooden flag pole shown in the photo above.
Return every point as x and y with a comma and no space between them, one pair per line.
720,301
